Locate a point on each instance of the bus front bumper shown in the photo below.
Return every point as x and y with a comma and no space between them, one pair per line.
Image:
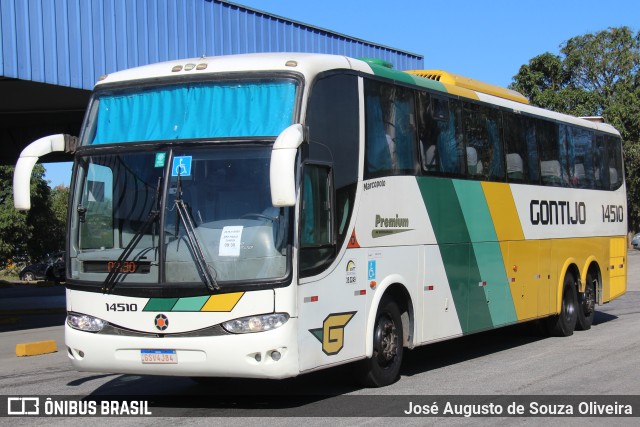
271,354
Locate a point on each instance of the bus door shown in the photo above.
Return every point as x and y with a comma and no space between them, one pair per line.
331,296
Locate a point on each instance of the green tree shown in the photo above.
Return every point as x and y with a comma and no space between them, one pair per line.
596,74
14,229
59,204
36,232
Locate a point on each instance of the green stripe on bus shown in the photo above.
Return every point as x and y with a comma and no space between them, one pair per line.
401,76
475,211
486,251
390,73
190,303
160,304
444,210
460,264
489,258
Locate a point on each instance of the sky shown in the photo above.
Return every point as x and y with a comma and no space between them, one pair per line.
487,40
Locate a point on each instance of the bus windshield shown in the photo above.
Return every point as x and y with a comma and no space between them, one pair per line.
213,214
219,109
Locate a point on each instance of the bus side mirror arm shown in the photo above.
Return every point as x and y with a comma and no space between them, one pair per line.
282,170
27,160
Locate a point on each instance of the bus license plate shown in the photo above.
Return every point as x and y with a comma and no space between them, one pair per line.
159,357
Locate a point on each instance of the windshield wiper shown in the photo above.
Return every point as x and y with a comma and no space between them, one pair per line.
192,240
112,278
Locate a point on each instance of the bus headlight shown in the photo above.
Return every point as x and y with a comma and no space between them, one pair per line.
261,323
82,322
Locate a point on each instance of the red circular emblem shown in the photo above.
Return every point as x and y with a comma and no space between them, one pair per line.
161,322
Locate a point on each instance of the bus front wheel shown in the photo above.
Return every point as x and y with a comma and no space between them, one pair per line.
563,324
383,368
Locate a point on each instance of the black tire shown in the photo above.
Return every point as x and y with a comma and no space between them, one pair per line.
587,303
564,324
383,368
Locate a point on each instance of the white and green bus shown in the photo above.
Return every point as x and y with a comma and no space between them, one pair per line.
269,215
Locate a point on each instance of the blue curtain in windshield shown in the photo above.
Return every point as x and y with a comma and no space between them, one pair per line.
198,111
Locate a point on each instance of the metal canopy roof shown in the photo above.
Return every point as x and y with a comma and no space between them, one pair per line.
71,43
46,45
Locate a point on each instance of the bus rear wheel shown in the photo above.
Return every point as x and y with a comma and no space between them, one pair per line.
383,368
587,303
563,324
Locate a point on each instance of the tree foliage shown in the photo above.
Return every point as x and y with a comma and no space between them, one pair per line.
596,74
39,231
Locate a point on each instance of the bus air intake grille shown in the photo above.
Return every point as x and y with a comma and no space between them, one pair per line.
211,331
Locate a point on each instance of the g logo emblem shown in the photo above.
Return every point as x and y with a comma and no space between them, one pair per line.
161,322
331,335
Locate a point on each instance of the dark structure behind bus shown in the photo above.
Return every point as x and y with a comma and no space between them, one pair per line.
52,53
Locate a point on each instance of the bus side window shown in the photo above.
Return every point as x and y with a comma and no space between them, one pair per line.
521,149
485,153
439,135
614,151
390,129
550,167
601,180
582,172
333,119
566,150
316,224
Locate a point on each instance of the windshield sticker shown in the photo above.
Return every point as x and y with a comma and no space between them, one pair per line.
181,166
160,159
230,241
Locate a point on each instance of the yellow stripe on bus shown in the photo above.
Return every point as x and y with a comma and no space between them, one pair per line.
503,211
222,303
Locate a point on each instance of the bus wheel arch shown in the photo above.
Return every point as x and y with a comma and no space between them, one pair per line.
396,291
389,330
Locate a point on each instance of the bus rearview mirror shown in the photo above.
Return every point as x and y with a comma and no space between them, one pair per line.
27,160
282,169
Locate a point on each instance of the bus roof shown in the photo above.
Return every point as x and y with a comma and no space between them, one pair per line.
310,64
307,64
469,83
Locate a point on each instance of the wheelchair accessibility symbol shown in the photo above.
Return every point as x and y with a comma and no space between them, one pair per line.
371,269
181,166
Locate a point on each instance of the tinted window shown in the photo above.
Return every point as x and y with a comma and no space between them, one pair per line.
316,227
550,165
484,150
521,149
390,130
332,118
440,133
581,163
614,150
